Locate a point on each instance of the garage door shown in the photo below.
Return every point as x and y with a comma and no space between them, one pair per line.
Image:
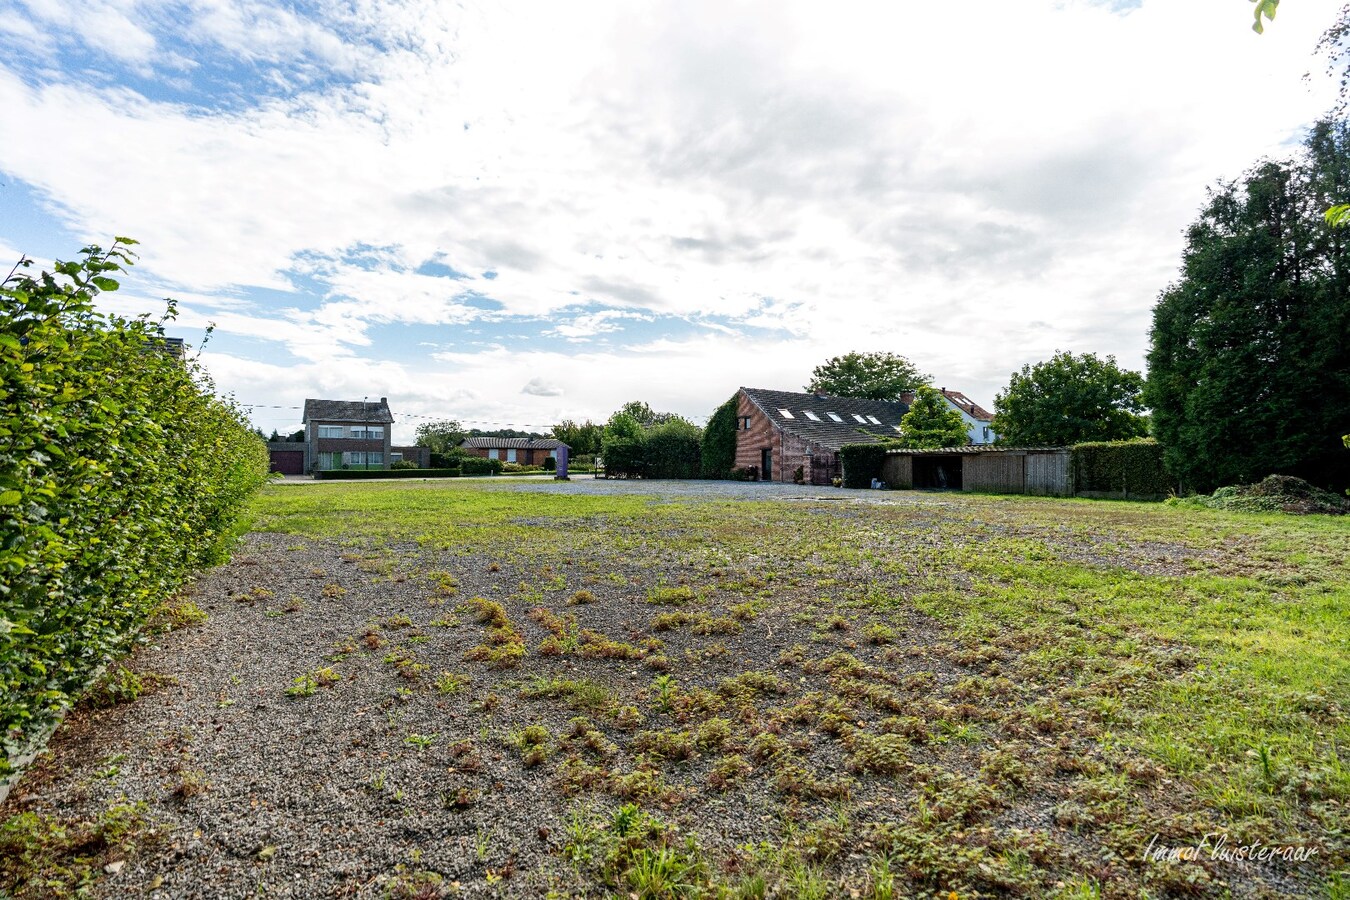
288,462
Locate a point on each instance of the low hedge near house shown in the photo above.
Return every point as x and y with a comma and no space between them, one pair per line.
356,474
121,473
1130,470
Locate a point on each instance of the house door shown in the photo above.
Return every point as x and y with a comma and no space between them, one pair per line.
766,464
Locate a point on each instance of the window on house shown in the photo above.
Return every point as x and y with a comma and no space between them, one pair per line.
812,416
834,416
745,423
554,453
395,457
896,427
874,420
330,431
785,414
360,459
330,460
368,432
493,453
860,419
510,456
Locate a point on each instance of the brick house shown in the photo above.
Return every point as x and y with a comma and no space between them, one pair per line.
351,434
778,431
525,451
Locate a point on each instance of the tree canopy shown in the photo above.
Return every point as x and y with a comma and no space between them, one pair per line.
1249,366
583,438
441,436
931,422
870,376
1068,399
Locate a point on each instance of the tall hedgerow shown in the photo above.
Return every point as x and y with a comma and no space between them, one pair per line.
121,473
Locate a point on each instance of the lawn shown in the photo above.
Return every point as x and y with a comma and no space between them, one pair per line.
441,689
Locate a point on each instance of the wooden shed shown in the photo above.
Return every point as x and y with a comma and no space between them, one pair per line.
1045,471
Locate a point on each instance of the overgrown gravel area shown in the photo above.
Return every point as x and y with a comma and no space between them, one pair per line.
775,693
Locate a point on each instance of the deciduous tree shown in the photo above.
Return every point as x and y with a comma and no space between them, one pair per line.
871,376
931,422
1069,399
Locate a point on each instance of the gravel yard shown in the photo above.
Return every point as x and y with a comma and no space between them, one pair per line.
533,688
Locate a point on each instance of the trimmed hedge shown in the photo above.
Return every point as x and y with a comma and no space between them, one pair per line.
121,473
669,450
862,463
357,474
1122,468
478,465
718,452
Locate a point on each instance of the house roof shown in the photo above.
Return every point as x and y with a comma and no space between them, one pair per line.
823,430
504,443
365,411
961,402
968,406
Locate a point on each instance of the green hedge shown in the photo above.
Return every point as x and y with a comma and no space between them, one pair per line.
862,463
1124,468
670,450
357,474
478,465
120,475
718,456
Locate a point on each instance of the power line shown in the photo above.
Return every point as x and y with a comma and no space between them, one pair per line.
534,426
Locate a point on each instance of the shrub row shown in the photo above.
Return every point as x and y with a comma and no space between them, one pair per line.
120,474
718,456
668,450
1124,468
356,474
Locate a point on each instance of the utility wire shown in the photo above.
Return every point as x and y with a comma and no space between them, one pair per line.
529,425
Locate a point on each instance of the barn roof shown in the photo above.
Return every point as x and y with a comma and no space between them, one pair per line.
829,422
365,411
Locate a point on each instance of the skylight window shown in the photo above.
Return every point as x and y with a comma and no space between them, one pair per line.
861,420
896,427
874,420
834,416
812,416
785,414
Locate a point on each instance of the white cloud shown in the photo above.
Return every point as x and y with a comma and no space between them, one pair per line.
538,387
974,185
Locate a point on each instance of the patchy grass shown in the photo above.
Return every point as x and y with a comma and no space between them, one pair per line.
926,696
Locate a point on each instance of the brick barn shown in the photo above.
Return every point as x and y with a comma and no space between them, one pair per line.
778,431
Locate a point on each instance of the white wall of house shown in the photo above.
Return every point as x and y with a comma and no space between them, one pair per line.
979,431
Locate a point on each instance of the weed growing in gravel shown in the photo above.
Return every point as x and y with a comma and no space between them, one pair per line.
44,856
450,684
333,591
120,685
181,614
420,741
672,596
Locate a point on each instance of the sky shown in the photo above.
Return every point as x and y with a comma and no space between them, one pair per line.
514,213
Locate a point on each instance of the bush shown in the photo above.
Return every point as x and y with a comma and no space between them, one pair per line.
477,465
718,451
1123,468
358,474
625,458
550,464
862,463
745,473
121,473
403,464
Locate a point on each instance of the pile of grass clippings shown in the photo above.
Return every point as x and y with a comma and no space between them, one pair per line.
1278,493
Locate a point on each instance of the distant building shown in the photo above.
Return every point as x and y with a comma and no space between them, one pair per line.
526,451
977,419
779,431
347,434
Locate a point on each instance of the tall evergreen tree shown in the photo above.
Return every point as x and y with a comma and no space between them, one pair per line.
1249,369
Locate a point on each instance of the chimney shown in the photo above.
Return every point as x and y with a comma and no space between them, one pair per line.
384,401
